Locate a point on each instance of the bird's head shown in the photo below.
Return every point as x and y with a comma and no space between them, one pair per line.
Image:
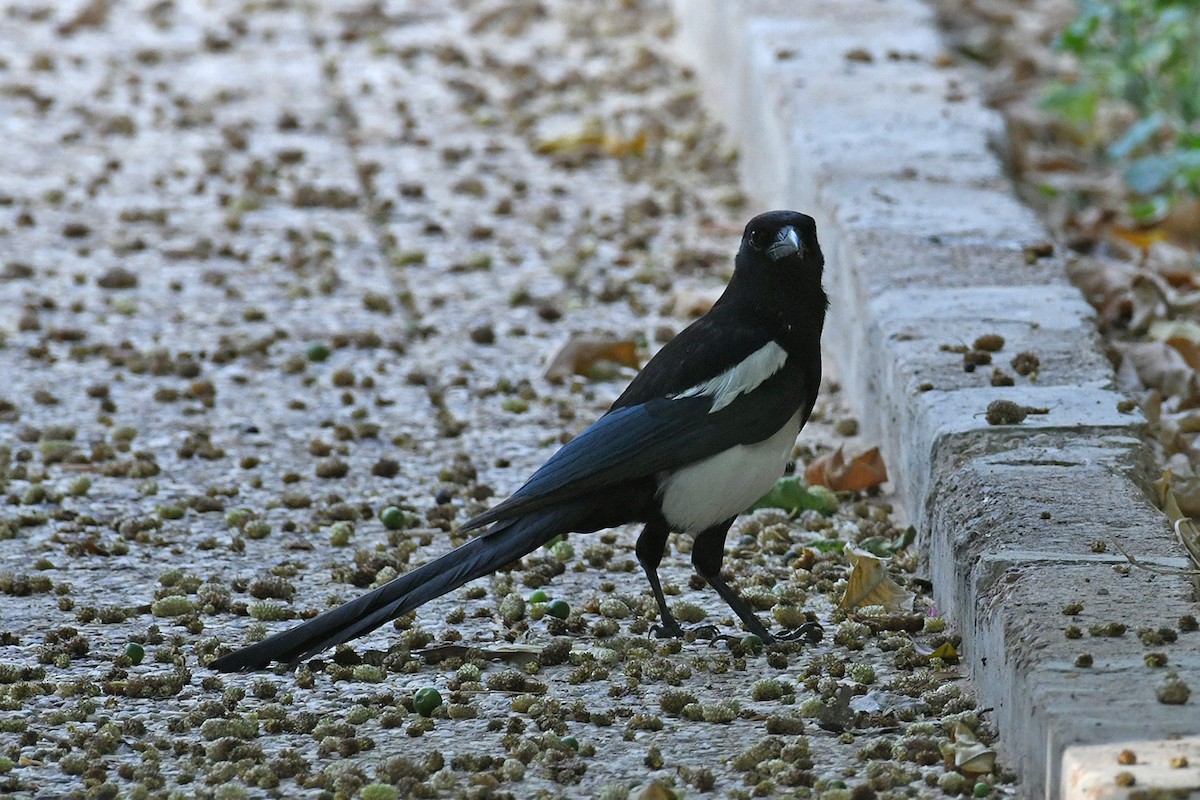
787,239
777,275
779,259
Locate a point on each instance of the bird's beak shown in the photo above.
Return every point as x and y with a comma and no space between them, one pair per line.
787,243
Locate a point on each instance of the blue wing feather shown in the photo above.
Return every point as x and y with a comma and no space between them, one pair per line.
636,441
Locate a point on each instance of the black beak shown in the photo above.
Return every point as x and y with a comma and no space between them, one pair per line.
787,243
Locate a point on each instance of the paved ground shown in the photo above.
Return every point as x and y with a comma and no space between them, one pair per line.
266,269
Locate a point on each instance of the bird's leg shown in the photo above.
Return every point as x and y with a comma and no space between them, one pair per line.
708,553
650,545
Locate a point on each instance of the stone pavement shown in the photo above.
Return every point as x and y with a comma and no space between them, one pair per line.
856,112
268,267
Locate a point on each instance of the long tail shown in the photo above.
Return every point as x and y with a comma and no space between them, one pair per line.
502,545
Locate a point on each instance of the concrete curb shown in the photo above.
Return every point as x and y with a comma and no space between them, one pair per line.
842,110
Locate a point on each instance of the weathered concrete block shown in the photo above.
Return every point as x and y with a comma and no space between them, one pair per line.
894,352
1090,772
1025,666
1032,497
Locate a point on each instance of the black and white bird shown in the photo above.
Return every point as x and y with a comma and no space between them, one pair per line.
700,434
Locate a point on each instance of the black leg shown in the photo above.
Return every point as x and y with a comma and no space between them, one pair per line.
708,553
650,546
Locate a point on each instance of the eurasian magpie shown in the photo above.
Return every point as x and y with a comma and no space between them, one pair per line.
700,434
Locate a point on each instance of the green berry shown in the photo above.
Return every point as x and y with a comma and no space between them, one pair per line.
426,701
753,643
392,518
982,789
318,351
559,608
570,741
135,652
539,597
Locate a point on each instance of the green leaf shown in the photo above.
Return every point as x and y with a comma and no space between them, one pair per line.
826,545
1076,102
1139,134
880,546
886,548
1150,211
1150,174
792,496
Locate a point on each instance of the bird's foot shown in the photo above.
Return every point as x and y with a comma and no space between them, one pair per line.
675,631
811,632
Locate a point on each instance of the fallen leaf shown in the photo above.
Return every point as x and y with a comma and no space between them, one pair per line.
878,701
864,471
1174,263
946,652
793,496
971,756
1140,238
1157,365
870,585
580,356
1165,330
592,138
1181,334
1185,528
1183,222
1186,493
826,545
1149,297
1189,349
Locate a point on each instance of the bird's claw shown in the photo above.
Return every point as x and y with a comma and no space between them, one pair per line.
678,632
811,632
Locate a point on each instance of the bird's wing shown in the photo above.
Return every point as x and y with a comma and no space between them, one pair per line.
719,340
664,433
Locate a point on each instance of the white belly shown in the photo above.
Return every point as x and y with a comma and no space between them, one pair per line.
699,496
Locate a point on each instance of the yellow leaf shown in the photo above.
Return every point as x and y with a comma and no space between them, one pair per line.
618,147
870,585
1138,237
946,652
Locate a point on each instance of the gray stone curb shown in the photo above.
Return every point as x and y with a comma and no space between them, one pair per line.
842,110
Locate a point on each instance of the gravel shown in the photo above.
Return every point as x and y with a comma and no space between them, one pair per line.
267,271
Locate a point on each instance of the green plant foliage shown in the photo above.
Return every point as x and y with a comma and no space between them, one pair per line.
793,496
1143,55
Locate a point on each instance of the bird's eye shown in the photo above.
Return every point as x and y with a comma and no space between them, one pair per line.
756,240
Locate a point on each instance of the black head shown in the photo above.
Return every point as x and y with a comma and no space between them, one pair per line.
787,239
777,278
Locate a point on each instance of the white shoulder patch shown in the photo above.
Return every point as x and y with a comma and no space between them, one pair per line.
743,377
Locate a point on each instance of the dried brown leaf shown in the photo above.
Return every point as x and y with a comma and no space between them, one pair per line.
580,354
864,471
870,585
1157,365
971,757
